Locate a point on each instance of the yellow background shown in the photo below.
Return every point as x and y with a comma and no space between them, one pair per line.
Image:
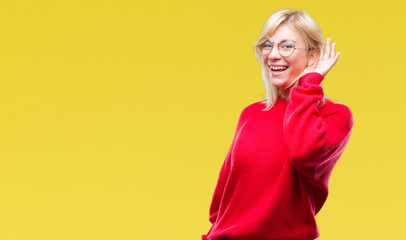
117,115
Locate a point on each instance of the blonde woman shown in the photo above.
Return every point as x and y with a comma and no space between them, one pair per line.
274,179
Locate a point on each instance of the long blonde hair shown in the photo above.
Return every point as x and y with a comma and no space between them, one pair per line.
311,33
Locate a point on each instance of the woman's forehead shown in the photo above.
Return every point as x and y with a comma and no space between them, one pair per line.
286,32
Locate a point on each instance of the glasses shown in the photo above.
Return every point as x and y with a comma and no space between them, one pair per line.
285,47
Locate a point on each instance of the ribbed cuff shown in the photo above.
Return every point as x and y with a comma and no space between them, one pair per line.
311,78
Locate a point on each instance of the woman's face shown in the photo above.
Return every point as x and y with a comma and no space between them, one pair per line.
284,70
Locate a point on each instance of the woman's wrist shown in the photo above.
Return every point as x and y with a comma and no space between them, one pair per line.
312,78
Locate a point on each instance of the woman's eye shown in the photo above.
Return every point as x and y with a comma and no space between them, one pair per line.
287,46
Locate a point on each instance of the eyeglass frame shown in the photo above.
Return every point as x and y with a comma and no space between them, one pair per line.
273,43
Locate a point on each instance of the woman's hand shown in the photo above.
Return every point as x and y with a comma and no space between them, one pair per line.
328,59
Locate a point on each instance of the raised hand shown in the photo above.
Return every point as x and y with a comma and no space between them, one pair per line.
327,59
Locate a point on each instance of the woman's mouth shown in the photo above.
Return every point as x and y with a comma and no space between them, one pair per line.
278,68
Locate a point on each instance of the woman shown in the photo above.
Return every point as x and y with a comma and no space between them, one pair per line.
274,179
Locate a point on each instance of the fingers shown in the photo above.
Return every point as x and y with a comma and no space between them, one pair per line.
330,51
333,50
328,57
327,54
336,57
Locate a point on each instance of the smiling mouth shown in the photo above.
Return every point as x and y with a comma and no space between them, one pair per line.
278,68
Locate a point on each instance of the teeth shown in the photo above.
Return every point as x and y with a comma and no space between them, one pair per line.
278,68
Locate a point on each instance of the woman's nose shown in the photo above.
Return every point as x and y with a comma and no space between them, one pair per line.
274,54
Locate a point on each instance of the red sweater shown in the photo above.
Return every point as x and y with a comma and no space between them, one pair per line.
274,179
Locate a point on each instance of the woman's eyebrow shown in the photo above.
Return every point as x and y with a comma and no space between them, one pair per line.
288,40
283,40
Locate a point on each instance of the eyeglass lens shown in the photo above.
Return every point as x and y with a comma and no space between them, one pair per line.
285,48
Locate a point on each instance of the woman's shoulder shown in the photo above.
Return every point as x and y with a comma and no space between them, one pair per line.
338,109
254,107
330,105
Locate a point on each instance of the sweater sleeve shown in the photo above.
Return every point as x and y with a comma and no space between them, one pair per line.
315,141
218,191
223,176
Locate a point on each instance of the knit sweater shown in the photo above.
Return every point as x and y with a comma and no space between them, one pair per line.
274,179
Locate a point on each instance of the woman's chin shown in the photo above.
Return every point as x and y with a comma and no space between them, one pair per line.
278,83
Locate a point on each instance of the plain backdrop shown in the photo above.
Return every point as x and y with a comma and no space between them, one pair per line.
117,115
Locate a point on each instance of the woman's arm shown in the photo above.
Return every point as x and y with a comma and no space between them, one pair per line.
223,176
218,191
315,141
